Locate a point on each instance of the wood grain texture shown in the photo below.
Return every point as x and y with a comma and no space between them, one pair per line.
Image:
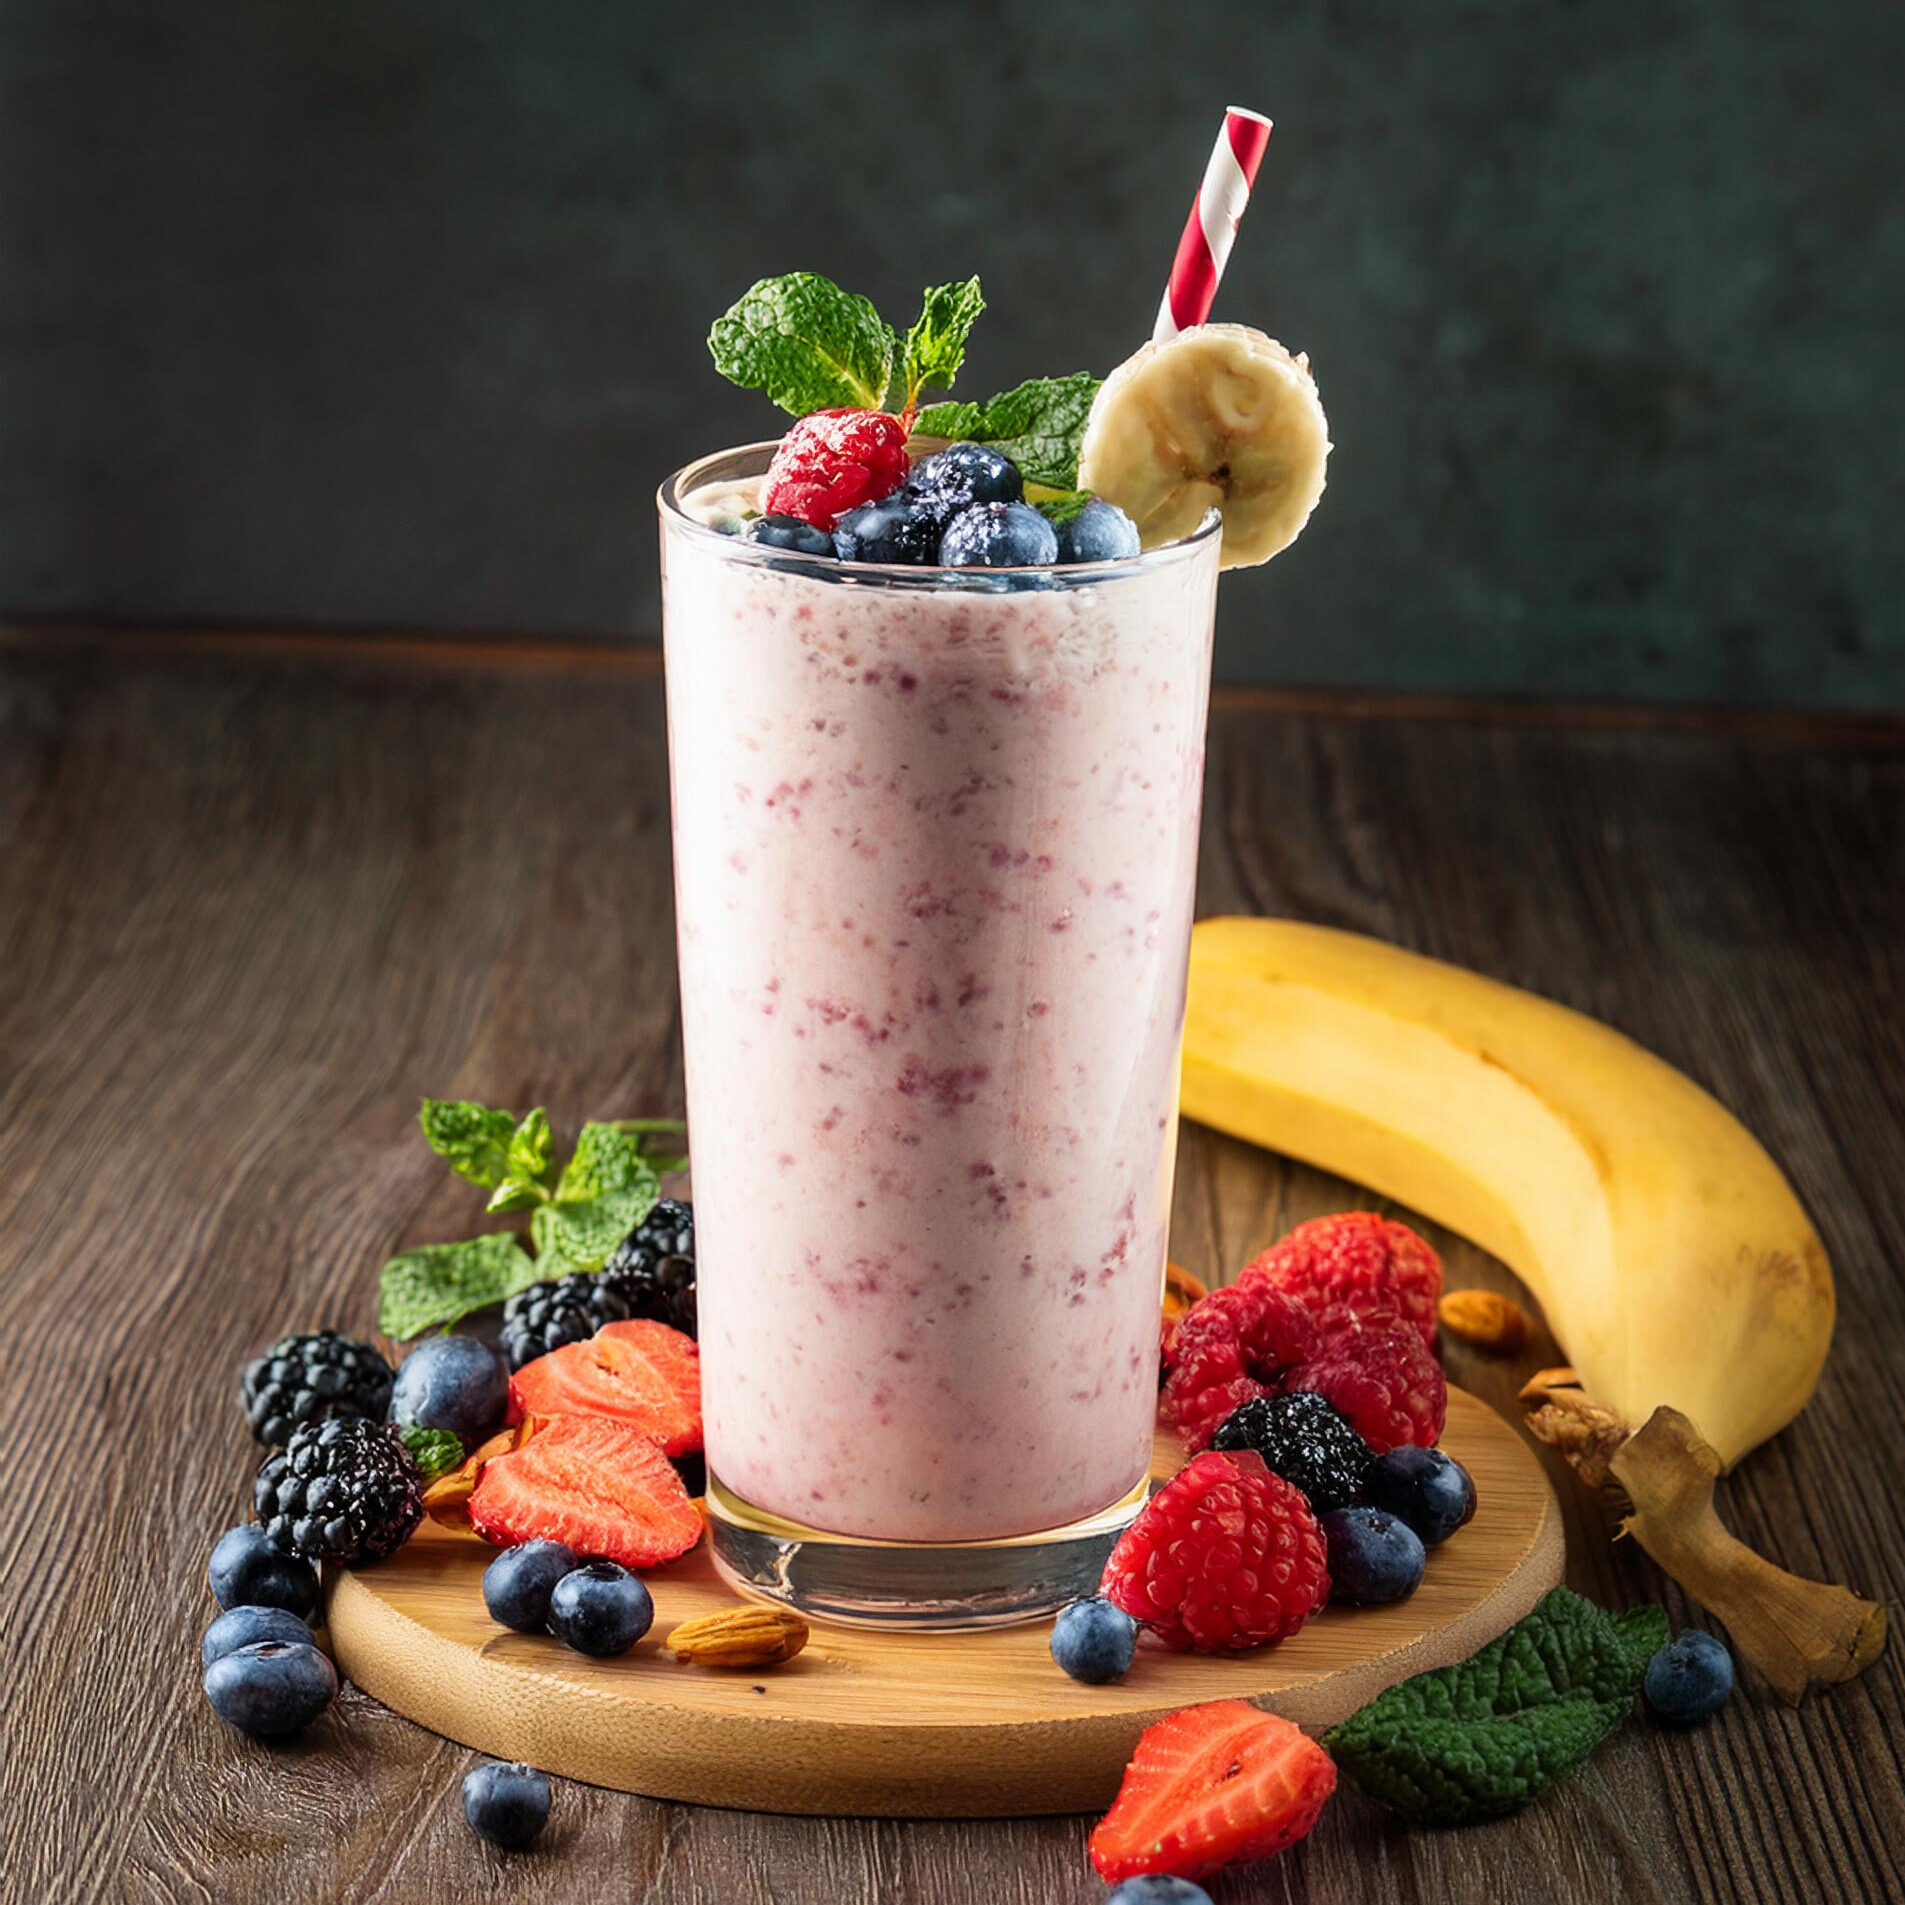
909,1725
253,905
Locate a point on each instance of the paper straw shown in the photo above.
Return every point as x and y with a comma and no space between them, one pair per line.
1212,226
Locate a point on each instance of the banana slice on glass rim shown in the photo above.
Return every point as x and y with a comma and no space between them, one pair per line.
1219,416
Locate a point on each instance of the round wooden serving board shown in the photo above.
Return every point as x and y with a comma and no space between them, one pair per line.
907,1725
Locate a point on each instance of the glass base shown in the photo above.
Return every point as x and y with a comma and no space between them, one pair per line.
948,1585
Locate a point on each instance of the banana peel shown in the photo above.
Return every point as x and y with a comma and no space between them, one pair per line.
1673,1262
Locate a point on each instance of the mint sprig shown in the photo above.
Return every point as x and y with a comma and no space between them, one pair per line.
1039,425
579,1210
812,346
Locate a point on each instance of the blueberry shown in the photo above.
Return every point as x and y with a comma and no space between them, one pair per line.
1100,532
789,532
895,530
240,1626
600,1608
249,1569
269,1687
454,1383
1154,1888
507,1804
1094,1641
518,1583
960,475
1690,1679
998,536
1423,1487
1374,1557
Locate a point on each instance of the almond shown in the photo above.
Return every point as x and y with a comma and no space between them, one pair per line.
1485,1318
740,1637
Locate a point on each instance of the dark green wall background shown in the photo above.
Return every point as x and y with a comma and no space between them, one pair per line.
393,314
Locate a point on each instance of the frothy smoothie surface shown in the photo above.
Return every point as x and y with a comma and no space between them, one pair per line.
934,854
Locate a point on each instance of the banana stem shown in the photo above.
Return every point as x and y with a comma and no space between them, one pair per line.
1798,1633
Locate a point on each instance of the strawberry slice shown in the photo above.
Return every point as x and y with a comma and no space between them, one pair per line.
644,1374
1210,1786
599,1487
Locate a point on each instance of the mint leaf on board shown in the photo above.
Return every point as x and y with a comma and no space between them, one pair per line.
1039,425
936,345
1481,1739
472,1139
436,1284
436,1451
805,342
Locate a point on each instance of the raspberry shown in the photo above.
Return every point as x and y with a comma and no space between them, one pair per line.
832,462
1236,1345
1360,1258
1383,1378
1223,1557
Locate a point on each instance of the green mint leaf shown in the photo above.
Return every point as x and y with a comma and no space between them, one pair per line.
437,1284
608,1157
1481,1739
517,1193
659,1141
1039,425
472,1139
582,1234
609,1186
437,1451
529,1146
936,345
1062,505
806,343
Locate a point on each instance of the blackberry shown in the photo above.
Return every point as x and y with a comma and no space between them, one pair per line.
653,1268
312,1378
564,1310
344,1490
1303,1439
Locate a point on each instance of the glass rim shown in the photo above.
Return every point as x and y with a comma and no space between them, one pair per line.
750,459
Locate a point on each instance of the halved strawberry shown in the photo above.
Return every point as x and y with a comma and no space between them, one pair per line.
599,1487
1208,1787
644,1374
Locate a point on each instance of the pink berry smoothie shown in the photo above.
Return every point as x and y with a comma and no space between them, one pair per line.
935,842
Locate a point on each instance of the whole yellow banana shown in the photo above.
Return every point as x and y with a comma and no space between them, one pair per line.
1673,1261
1671,1258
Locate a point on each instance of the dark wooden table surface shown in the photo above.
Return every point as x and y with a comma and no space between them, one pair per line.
257,896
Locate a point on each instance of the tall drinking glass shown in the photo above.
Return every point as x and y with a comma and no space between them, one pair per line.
935,840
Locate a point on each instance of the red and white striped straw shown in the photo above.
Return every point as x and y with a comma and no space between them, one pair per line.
1212,225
